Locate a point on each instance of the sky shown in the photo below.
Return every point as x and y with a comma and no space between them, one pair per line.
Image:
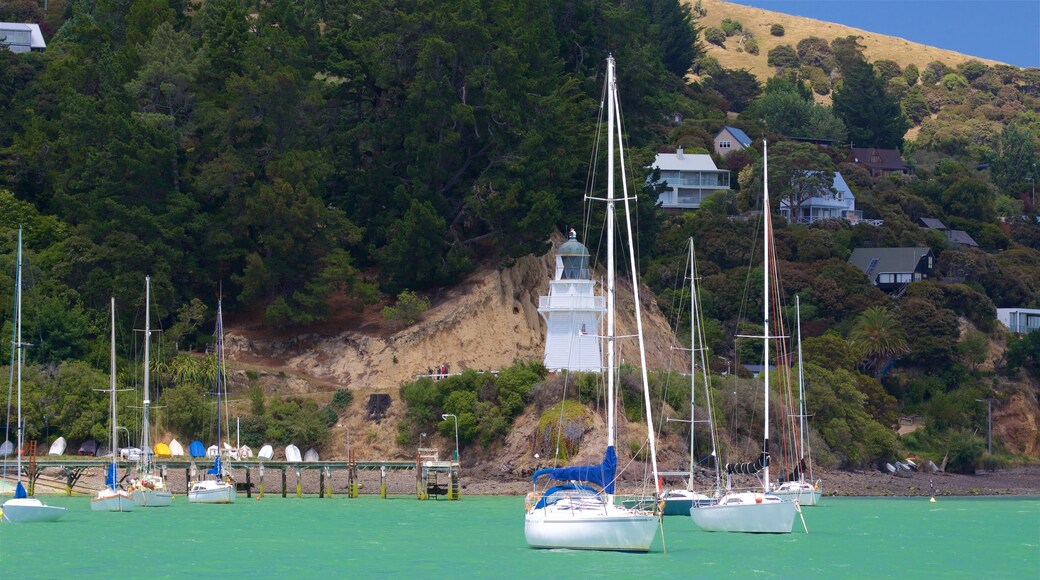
1003,30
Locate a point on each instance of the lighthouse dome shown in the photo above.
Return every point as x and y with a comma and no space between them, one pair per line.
574,258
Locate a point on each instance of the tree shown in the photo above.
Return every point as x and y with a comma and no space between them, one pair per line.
974,348
776,30
715,36
1015,158
871,115
878,337
815,51
672,23
783,56
738,86
798,172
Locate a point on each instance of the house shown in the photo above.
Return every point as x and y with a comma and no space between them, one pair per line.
879,162
21,37
839,204
957,237
689,179
730,139
891,269
1020,320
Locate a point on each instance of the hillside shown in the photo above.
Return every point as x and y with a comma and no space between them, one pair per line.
796,28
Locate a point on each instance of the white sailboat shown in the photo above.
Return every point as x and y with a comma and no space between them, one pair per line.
22,508
149,488
220,489
753,511
580,512
679,501
806,491
112,498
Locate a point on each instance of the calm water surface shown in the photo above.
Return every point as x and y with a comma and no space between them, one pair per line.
484,537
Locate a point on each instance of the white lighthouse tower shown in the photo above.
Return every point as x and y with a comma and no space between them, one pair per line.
572,312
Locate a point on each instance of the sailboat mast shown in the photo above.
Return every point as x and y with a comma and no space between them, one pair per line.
18,348
766,233
801,393
693,363
611,89
112,388
145,427
220,333
635,298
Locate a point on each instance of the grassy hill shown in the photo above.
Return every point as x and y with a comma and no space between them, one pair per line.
759,21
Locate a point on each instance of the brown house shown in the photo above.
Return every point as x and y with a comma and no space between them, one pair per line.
879,162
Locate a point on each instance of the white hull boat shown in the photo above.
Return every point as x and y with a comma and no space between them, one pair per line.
746,512
30,509
677,502
266,452
58,447
176,449
292,454
151,498
210,491
109,500
804,492
590,524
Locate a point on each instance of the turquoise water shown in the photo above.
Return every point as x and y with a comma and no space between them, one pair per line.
484,537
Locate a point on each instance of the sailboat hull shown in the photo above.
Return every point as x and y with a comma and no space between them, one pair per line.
118,501
151,498
806,494
30,509
746,512
605,528
679,502
212,492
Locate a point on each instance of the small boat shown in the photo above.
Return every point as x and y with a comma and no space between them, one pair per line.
162,450
197,449
266,452
311,455
244,452
111,498
292,454
89,448
22,508
58,447
176,449
6,449
220,488
212,451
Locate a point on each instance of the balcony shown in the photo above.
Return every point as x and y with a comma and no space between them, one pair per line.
570,303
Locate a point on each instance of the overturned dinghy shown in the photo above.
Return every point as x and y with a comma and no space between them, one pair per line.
58,447
311,455
245,452
176,449
197,449
266,452
162,450
89,447
6,449
292,454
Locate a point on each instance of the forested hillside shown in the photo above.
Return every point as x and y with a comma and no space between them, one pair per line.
291,155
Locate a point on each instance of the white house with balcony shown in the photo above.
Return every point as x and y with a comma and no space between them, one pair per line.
1020,320
572,312
839,203
21,37
689,179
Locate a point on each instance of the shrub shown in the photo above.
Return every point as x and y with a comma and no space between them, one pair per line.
408,309
911,74
953,82
731,27
965,451
715,36
776,30
342,399
328,415
751,45
783,56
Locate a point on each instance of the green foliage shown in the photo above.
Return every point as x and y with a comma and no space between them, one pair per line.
966,450
342,399
816,52
911,74
560,428
1015,158
872,116
676,34
739,87
715,36
783,56
187,411
731,27
750,44
256,399
299,421
776,30
954,82
328,415
887,69
878,336
408,309
1023,352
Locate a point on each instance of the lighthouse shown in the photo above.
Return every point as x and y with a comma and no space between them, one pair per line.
572,312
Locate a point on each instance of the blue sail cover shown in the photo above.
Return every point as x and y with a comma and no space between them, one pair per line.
601,475
197,449
19,491
216,467
111,476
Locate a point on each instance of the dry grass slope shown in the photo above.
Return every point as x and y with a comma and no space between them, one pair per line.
759,21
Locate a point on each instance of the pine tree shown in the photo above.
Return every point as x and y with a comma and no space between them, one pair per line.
872,116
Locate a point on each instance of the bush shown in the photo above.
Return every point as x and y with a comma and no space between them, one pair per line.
342,399
328,415
965,451
783,56
731,27
776,30
715,36
408,309
911,74
751,45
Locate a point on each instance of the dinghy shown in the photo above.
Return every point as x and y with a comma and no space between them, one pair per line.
311,455
89,447
176,449
162,450
266,452
197,449
58,447
292,454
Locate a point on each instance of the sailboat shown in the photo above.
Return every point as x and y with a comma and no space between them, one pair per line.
579,511
679,501
807,492
111,498
753,511
149,488
220,489
22,508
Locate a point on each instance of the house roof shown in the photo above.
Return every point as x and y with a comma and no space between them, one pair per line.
680,161
961,237
932,223
888,259
739,135
877,158
35,35
839,185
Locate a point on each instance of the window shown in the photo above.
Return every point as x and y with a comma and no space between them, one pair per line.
725,144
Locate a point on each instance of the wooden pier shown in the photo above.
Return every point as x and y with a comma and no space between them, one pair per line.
433,477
